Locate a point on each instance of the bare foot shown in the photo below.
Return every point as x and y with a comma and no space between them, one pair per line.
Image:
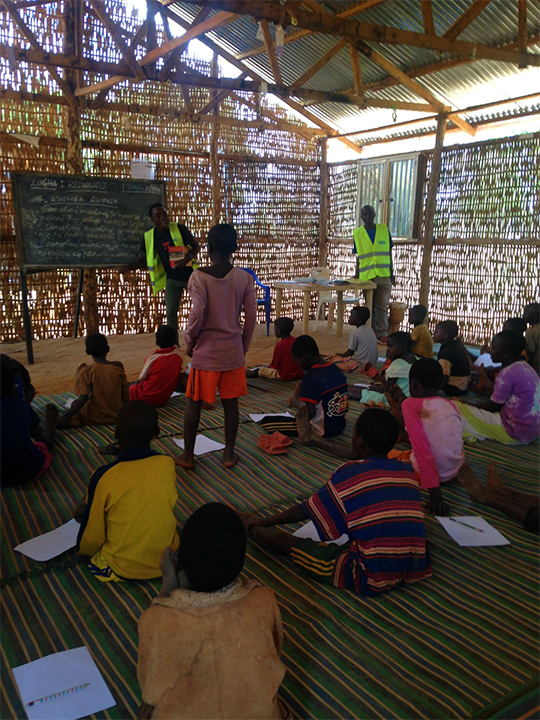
169,572
51,413
305,433
472,484
295,396
183,461
494,482
252,373
230,460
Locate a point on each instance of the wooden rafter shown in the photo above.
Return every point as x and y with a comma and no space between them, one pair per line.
271,51
252,73
466,19
522,26
175,56
299,34
29,35
427,17
116,32
356,69
183,89
215,101
321,62
356,30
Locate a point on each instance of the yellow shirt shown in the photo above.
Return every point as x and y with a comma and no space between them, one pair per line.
423,342
129,517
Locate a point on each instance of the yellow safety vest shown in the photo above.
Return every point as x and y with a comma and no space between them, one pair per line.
373,257
158,274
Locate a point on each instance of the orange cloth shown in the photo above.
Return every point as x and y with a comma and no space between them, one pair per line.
403,456
107,386
202,384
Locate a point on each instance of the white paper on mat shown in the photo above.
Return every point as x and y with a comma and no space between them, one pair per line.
49,545
309,531
465,537
486,361
176,394
56,673
381,359
69,402
203,445
364,385
258,417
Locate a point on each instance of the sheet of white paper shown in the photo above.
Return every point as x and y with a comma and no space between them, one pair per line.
203,445
49,545
364,385
256,368
175,394
56,673
256,417
381,359
466,537
69,402
486,361
309,531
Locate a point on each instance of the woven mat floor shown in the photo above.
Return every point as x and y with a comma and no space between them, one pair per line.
463,644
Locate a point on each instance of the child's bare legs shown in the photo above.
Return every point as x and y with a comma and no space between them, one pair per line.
273,540
230,409
51,420
191,423
169,572
306,436
252,373
354,392
496,495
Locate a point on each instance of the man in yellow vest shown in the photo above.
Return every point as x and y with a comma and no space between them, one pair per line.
373,249
167,251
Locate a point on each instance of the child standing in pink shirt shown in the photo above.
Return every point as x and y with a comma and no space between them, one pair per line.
216,341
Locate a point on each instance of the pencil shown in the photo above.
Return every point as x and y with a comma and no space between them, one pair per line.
460,522
57,695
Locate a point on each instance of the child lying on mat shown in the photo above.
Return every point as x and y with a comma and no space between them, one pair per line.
127,516
25,445
512,415
375,501
283,366
323,391
433,425
102,388
398,350
161,371
209,646
362,342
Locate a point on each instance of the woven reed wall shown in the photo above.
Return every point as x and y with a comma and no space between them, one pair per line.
273,205
485,264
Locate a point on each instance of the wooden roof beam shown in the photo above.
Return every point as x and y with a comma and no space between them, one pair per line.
356,30
466,19
271,51
356,69
427,17
183,89
522,27
175,56
298,35
214,102
116,32
321,62
29,35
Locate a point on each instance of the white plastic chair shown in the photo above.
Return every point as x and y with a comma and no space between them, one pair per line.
326,297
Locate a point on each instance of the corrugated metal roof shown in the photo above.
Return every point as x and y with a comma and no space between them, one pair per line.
460,86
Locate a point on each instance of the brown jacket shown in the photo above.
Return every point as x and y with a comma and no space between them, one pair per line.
212,655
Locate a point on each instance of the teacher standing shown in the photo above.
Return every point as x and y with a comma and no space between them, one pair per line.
168,251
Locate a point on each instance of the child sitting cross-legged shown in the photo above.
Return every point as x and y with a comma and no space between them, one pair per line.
362,341
375,501
453,359
210,644
161,371
101,386
323,390
421,337
512,414
283,366
398,350
25,444
127,516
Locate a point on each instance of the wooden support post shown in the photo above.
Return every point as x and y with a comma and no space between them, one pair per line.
430,211
323,205
151,35
214,157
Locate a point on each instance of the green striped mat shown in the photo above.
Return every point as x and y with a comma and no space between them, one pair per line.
462,644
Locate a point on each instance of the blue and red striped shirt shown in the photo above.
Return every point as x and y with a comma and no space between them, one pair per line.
377,503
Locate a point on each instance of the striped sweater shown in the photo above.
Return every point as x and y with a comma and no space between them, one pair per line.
377,503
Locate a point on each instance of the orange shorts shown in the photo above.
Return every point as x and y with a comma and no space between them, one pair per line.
202,384
405,457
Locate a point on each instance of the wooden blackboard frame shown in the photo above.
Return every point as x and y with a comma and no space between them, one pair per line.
31,268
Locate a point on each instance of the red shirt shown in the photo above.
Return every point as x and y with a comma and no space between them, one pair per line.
282,361
159,377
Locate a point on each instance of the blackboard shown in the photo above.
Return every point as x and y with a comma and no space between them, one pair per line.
77,221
